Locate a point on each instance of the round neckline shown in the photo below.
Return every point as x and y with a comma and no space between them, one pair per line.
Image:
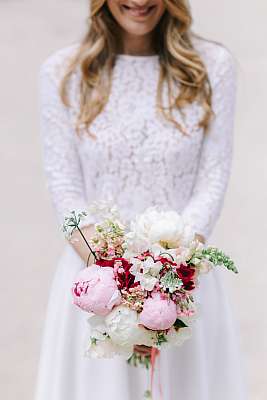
125,56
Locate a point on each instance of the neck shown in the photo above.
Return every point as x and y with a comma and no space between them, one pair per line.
137,45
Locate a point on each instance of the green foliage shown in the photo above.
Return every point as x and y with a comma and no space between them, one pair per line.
137,360
161,338
148,395
217,257
71,222
179,324
93,341
171,281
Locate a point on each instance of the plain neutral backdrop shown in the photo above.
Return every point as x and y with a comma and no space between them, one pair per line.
30,238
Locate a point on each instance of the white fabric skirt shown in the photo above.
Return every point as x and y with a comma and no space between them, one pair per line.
206,367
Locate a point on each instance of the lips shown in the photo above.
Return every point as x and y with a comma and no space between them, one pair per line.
138,11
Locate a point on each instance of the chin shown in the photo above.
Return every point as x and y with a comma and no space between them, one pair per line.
135,18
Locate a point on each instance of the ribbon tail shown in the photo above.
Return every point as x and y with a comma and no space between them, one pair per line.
154,354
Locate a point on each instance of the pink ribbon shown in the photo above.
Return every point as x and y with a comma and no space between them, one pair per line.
155,353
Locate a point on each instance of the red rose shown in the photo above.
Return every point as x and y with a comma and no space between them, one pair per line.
186,274
125,279
105,263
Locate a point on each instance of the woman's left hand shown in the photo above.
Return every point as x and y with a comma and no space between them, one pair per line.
142,350
200,237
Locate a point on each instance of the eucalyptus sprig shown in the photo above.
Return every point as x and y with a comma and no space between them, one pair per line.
71,223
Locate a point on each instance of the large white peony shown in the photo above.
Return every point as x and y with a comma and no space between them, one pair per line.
123,328
100,345
177,338
108,349
164,227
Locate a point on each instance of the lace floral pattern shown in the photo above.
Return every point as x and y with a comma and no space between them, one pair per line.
138,158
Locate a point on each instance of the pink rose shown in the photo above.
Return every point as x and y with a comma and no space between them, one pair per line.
158,313
95,290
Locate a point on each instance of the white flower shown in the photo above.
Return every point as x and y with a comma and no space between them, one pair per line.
108,349
205,266
150,271
151,267
156,249
177,338
98,329
145,337
164,227
183,254
191,315
122,325
135,244
147,281
136,265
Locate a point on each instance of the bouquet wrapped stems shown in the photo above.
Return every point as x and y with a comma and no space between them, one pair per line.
149,362
140,289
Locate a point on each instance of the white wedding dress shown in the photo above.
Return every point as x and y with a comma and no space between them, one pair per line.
139,159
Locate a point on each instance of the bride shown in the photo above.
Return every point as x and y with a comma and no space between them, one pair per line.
140,112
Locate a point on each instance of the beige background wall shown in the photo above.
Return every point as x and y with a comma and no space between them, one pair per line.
30,240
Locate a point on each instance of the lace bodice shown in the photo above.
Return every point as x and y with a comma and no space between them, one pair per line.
138,158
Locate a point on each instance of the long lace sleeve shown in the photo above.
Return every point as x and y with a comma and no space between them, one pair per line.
205,205
60,157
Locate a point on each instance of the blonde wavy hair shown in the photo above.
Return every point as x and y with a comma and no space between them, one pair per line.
179,63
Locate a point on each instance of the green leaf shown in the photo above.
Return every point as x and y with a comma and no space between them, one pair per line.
148,395
179,324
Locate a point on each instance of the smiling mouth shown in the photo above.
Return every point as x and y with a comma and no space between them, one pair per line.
138,12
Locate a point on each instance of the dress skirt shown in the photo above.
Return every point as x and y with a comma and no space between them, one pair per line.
206,367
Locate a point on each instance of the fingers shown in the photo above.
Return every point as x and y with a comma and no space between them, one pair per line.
143,350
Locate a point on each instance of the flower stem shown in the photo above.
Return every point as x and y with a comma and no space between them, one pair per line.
84,238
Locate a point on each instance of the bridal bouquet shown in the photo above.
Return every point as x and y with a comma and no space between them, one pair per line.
140,288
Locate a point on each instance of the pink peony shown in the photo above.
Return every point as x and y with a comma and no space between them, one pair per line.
95,290
158,313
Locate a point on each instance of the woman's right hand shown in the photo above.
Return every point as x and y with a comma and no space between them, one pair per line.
79,244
